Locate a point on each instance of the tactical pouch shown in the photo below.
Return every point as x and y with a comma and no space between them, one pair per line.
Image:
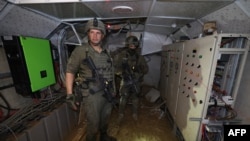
81,90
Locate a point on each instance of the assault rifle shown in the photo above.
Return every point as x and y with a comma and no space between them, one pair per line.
128,75
102,83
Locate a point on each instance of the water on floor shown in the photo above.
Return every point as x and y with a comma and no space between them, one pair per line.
152,124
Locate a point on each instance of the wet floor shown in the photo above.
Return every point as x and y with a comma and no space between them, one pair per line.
152,125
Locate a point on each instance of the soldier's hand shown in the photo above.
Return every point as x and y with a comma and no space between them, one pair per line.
71,101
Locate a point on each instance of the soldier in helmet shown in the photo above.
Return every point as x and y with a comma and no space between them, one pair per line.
131,67
97,107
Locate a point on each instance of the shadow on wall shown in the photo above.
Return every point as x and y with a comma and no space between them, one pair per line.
152,78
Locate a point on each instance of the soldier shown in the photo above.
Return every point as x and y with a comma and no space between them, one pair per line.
131,66
97,107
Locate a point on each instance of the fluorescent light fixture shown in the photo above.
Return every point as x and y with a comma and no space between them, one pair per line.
122,9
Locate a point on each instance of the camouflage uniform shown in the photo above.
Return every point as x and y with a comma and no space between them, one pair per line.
138,65
97,108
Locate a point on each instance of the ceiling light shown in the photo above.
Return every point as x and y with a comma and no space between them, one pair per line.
122,9
173,25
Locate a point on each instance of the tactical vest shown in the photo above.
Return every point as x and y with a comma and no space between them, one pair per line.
132,60
103,62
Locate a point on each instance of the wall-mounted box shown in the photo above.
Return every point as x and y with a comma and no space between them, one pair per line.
30,62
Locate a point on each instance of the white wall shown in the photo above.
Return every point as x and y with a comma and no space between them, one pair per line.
152,78
242,103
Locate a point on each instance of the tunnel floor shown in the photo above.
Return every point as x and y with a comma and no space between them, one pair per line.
152,124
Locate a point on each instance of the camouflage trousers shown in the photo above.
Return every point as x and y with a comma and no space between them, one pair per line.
98,111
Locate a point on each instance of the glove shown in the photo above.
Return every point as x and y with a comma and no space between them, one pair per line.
71,101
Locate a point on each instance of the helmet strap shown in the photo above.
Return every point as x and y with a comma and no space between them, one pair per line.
131,51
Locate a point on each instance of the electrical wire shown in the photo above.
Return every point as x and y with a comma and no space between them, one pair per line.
8,106
214,112
12,132
231,113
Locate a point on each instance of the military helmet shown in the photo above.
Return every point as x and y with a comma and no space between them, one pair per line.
95,24
132,40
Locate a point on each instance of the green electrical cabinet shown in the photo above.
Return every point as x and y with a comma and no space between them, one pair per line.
31,63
